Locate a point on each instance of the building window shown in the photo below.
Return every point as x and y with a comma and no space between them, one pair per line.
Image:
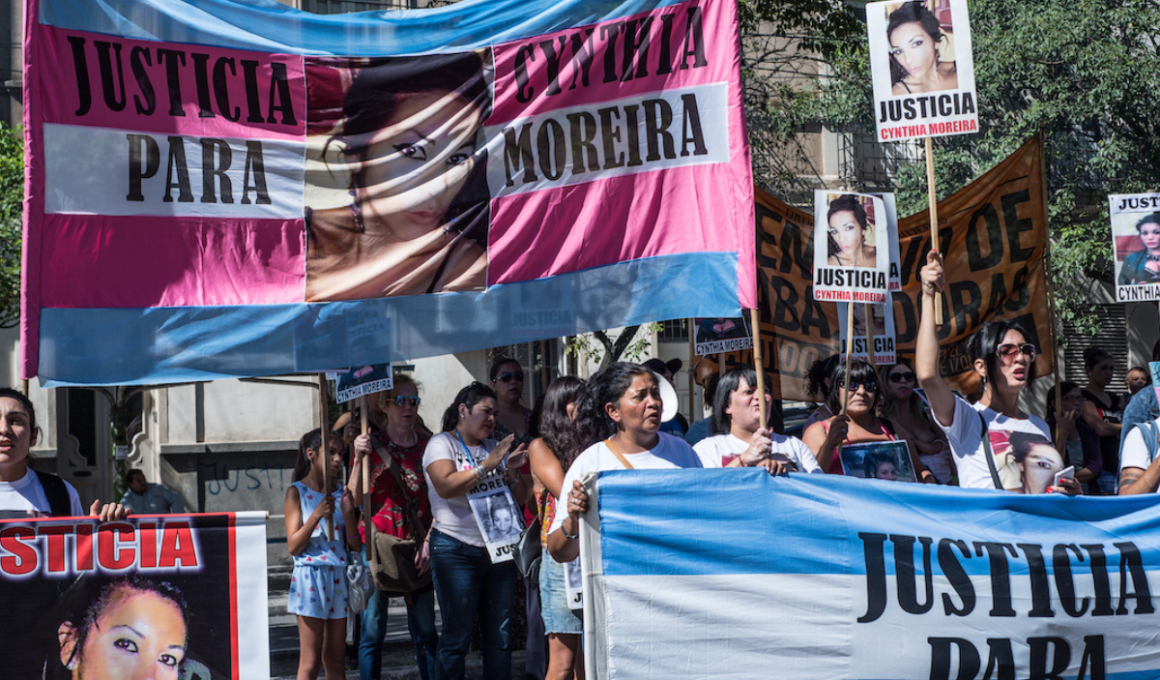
1111,336
676,330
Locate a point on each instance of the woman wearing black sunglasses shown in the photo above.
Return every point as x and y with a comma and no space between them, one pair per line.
511,416
402,441
1005,361
911,419
860,425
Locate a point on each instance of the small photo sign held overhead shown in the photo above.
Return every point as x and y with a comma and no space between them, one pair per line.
922,69
363,380
891,212
714,336
851,254
881,329
1136,244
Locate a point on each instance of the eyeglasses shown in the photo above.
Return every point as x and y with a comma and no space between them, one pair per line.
1008,351
869,385
404,399
902,377
507,377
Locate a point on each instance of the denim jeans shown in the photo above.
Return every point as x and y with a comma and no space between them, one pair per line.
466,582
373,625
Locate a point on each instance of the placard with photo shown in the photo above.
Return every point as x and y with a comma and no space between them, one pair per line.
878,460
851,252
882,326
922,68
1136,245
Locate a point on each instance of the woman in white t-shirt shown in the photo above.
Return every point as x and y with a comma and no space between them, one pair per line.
619,420
1005,361
462,464
740,441
22,489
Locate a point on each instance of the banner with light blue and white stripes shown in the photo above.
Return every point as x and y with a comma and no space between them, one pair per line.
692,574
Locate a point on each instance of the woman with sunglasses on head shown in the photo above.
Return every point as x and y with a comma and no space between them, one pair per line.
860,425
400,442
911,419
1103,411
463,462
1005,361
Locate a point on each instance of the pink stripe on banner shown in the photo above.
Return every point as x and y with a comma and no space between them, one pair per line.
112,82
634,55
566,229
170,262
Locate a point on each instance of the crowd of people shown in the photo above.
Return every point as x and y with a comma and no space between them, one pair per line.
454,496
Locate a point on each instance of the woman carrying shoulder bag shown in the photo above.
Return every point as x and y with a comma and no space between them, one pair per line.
393,507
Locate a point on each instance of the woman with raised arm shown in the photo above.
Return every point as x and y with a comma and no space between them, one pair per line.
1005,361
618,423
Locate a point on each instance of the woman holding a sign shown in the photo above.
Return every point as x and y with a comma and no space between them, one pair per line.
471,561
859,425
980,434
849,226
915,35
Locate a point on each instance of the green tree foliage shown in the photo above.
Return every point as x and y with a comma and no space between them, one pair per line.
11,207
1085,72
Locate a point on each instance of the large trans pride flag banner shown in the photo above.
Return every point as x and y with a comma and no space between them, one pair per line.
698,574
236,188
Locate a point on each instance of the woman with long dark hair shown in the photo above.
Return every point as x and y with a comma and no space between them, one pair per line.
916,65
906,411
463,463
1073,437
1004,360
1103,411
618,427
551,456
410,129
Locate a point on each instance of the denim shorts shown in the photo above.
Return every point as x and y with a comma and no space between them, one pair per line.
558,617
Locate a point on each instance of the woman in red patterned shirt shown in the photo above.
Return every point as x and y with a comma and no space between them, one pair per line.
403,439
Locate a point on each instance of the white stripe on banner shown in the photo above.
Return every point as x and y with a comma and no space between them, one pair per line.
698,575
655,131
156,174
253,600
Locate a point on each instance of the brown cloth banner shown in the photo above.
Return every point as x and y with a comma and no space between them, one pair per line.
993,234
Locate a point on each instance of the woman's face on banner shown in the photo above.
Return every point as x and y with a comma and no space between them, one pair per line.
418,162
886,470
913,48
503,520
1150,236
846,232
139,635
1039,467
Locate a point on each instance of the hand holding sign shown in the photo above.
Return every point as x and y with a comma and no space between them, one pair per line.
759,445
932,275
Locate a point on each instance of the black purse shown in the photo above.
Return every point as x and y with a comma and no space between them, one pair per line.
527,553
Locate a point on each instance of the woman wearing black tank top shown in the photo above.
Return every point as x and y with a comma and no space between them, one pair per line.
1103,411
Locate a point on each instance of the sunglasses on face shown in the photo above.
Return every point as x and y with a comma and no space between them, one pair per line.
403,400
902,377
1010,350
869,385
509,376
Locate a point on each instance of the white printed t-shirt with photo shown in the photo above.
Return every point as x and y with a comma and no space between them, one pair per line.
670,452
1135,450
720,450
965,438
26,498
453,516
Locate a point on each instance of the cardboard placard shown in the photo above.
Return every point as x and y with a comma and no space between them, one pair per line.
851,254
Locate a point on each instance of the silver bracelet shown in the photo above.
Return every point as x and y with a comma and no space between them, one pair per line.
564,528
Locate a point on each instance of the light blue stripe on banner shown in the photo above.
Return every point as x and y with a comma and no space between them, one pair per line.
269,26
701,522
183,344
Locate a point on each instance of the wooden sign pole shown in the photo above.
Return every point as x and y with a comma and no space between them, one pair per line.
758,366
324,417
692,371
868,310
932,199
849,352
366,480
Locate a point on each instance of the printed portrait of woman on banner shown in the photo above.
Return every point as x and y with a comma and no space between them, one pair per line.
1138,250
922,52
1026,462
889,461
851,241
397,198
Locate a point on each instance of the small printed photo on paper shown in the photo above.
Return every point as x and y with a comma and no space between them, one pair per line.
889,461
881,326
1136,246
396,187
851,254
498,516
715,336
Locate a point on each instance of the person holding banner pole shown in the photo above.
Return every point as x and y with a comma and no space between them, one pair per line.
401,443
1006,363
619,422
318,590
464,465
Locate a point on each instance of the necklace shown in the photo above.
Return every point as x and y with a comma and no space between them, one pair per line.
1153,258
